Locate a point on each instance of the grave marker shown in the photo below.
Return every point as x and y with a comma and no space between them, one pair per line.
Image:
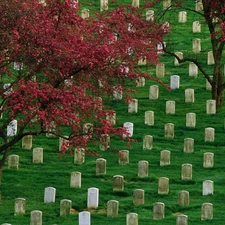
209,134
189,95
143,168
13,161
207,211
65,207
93,197
49,195
27,142
208,160
158,210
164,158
186,171
20,206
163,185
174,82
188,145
36,217
207,187
182,219
132,219
123,157
169,130
191,120
149,118
100,166
170,107
147,142
154,92
183,198
75,180
84,218
37,155
138,197
112,208
118,183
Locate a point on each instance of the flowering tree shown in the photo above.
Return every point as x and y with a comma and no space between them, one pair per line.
212,13
57,67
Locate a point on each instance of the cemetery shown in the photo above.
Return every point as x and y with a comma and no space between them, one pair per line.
172,171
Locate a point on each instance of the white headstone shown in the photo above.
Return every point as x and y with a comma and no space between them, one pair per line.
12,128
209,134
100,166
207,211
37,155
211,106
84,218
132,219
196,45
169,130
133,106
164,158
103,5
158,210
123,157
93,196
143,168
170,107
129,128
186,171
174,82
147,142
188,145
207,187
210,60
191,120
49,195
138,197
112,208
160,70
208,160
65,207
20,206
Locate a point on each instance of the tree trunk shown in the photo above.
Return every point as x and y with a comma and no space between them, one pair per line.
218,84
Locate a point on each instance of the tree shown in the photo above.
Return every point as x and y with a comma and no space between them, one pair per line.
212,14
58,69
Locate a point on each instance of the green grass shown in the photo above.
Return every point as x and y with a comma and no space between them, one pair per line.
30,179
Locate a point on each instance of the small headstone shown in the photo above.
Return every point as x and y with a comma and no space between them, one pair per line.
183,198
210,60
166,4
208,160
149,118
133,106
65,207
135,3
84,218
198,5
79,156
207,211
207,187
12,128
51,128
8,89
170,107
112,208
63,143
123,157
196,45
138,197
147,142
208,86
154,92
158,210
132,219
186,171
182,17
27,142
103,5
174,82
36,217
189,95
85,13
13,162
129,128
75,180
37,155
193,70
191,120
169,130
88,129
93,196
180,55
142,61
19,206
196,27
49,195
143,168
100,166
111,117
104,142
163,185
150,15
117,93
209,134
188,145
211,106
182,219
118,183
140,82
164,158
160,70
